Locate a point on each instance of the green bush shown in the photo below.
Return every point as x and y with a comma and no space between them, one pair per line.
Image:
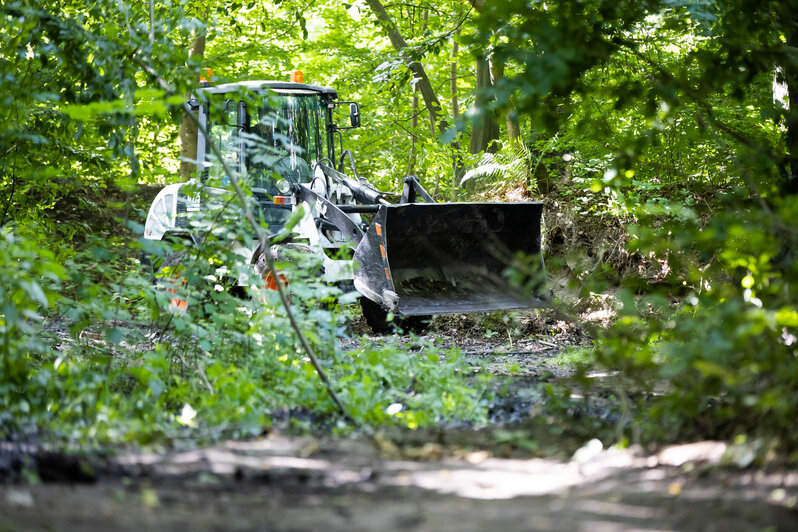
726,353
128,367
29,283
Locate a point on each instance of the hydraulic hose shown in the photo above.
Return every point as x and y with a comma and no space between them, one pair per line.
348,153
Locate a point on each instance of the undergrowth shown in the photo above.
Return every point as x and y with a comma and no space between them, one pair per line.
96,353
689,293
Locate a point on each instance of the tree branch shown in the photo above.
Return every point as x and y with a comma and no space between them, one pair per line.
265,243
423,83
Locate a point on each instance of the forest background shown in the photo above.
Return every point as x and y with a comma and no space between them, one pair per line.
659,134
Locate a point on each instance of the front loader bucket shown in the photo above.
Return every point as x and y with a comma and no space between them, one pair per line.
447,258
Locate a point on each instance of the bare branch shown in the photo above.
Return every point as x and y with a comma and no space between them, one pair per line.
265,243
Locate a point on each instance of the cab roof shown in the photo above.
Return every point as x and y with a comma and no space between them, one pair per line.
276,86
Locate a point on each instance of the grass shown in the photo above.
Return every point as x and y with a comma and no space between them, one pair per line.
575,357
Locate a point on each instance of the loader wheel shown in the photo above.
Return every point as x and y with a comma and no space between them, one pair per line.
377,318
278,253
266,275
146,264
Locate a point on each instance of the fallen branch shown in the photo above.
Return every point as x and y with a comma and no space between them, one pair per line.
510,353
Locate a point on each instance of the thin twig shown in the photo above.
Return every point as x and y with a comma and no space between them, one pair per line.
265,244
201,372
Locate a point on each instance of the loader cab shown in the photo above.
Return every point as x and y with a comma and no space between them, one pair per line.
260,124
265,131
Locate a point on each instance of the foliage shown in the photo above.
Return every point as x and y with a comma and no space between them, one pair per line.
70,54
674,102
29,282
133,368
728,350
94,351
657,117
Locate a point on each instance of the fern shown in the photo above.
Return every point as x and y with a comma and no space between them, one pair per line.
509,165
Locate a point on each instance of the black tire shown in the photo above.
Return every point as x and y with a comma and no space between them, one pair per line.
377,319
152,263
278,253
146,264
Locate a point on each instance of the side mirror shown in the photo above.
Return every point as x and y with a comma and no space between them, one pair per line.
354,115
230,114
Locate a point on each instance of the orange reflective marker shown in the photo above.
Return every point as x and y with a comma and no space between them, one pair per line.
176,305
387,274
378,227
271,284
296,76
383,252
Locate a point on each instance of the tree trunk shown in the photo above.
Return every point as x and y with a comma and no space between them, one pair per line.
429,109
790,80
188,129
414,117
458,170
785,84
423,83
497,73
453,78
510,116
411,165
484,129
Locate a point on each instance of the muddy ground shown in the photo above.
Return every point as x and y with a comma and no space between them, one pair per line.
453,478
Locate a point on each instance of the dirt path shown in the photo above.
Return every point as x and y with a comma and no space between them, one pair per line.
443,481
278,483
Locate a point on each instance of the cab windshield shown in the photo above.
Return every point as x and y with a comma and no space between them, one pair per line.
284,136
288,137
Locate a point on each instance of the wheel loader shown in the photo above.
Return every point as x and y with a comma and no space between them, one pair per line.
412,257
